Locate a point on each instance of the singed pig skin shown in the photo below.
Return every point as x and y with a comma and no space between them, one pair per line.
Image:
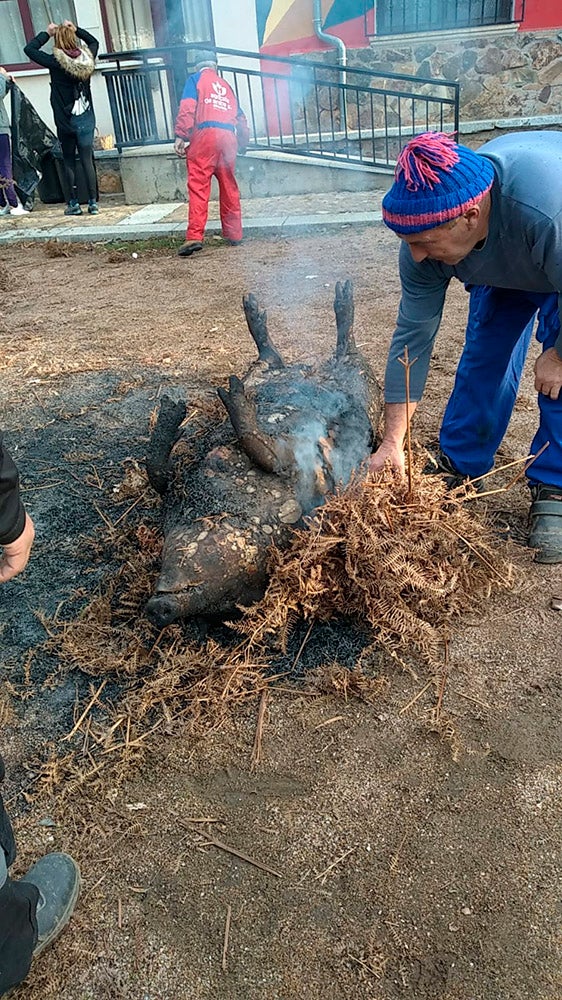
295,432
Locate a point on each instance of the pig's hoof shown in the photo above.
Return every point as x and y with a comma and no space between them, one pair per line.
162,610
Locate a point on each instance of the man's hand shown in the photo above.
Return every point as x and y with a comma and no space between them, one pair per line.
16,554
51,28
548,373
388,452
179,146
392,446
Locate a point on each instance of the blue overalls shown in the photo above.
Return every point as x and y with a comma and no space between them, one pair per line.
498,334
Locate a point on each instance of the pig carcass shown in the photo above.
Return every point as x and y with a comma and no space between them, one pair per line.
295,432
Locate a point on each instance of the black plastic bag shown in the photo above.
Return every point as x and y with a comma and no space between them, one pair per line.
33,144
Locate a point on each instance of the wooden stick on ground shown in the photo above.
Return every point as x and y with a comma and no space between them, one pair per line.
257,751
214,842
302,645
416,697
90,705
323,874
443,680
226,937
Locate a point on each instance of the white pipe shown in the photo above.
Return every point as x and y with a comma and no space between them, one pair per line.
338,44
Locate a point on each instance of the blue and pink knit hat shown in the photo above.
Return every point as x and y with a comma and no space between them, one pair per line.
436,180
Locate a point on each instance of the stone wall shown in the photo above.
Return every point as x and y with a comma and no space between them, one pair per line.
502,74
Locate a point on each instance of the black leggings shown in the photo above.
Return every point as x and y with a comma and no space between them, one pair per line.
18,904
84,143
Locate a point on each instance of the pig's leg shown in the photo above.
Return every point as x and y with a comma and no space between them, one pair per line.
256,319
170,416
271,454
344,310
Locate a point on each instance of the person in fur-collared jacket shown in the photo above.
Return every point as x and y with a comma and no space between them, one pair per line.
71,66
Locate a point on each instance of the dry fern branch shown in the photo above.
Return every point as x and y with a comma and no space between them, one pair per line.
403,561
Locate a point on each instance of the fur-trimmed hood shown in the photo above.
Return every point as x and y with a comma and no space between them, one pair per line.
81,66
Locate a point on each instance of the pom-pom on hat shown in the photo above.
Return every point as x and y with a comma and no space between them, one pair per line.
436,180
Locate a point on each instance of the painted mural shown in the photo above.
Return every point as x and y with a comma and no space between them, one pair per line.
285,27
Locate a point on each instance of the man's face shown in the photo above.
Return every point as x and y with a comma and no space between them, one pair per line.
449,244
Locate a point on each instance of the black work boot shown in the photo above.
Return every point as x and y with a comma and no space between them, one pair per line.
57,877
545,519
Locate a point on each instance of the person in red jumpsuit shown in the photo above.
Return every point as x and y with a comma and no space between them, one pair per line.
210,130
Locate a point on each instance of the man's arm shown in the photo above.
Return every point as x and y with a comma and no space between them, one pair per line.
423,295
391,448
548,253
16,527
186,113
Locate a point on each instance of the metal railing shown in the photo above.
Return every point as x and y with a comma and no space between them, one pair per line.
402,17
299,106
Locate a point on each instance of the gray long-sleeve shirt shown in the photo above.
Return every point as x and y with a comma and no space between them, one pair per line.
4,121
523,251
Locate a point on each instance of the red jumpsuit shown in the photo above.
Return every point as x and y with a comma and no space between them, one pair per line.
212,122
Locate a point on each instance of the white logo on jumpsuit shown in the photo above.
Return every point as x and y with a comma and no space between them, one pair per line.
219,100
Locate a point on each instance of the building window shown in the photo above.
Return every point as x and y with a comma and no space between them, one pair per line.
142,24
22,20
398,17
130,25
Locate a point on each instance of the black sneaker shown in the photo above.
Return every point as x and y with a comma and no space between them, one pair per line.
73,208
190,247
93,207
545,522
57,877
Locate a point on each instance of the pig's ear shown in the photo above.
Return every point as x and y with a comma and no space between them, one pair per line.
344,310
269,453
170,416
256,319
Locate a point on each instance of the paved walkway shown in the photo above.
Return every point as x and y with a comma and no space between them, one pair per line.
279,214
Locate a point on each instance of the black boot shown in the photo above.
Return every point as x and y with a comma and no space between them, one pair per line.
57,877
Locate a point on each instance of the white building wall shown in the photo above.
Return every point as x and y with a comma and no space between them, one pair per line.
235,28
35,82
235,24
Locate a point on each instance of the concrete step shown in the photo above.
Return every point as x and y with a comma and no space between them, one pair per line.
155,174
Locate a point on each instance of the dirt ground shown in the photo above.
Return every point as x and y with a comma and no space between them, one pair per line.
397,866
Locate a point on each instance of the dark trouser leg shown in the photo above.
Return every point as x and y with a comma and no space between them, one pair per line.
68,144
7,191
85,142
18,904
499,329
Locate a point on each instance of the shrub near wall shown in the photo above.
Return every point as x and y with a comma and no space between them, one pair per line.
502,75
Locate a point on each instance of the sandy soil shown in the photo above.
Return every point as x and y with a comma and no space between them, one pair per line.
400,869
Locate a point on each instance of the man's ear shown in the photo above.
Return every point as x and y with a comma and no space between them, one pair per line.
472,216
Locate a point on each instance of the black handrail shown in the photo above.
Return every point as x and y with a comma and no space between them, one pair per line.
303,106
